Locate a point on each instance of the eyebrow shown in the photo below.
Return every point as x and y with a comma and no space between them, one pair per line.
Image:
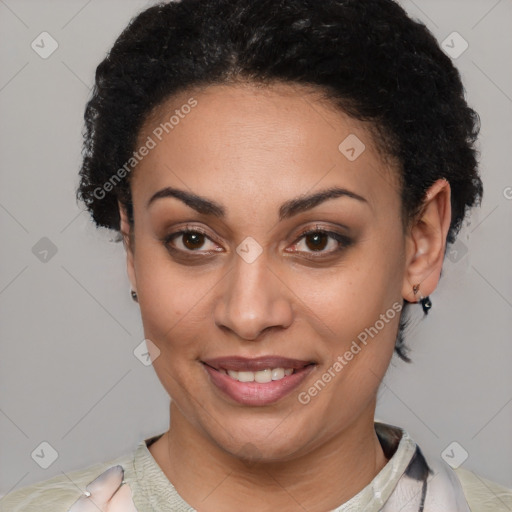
288,209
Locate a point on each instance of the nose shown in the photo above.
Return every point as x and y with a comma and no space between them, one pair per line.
253,298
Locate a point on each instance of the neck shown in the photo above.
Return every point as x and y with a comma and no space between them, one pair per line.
210,479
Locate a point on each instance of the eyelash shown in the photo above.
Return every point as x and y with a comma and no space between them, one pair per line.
343,241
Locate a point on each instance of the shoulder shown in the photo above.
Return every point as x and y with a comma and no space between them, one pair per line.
484,495
446,488
60,492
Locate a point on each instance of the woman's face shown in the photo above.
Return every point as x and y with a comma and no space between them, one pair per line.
248,284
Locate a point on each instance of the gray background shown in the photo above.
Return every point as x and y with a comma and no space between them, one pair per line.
68,328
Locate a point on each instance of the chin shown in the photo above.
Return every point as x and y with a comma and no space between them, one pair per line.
265,440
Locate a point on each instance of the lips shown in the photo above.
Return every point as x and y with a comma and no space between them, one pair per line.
246,382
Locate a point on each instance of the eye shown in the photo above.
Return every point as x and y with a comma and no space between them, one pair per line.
318,239
189,240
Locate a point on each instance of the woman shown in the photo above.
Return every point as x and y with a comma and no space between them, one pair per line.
285,176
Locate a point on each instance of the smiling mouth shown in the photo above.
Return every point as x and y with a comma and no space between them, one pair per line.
261,369
257,381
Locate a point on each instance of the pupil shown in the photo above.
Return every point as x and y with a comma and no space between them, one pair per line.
195,240
317,244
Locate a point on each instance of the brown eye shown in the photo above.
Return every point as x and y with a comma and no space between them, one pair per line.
193,240
190,241
318,240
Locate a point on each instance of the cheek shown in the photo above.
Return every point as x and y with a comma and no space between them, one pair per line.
352,295
171,300
356,310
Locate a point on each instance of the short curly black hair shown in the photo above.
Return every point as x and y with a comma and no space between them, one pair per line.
368,57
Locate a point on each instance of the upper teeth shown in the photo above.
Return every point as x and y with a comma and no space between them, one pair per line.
261,376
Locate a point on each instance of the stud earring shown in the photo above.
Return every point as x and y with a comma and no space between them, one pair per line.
134,295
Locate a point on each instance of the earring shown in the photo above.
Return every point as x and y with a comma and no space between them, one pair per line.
134,295
426,303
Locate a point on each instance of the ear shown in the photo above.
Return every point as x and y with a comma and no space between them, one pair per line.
129,245
426,242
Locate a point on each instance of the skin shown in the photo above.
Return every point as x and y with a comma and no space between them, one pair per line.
251,149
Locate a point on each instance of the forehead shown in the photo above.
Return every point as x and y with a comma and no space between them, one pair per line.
280,140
